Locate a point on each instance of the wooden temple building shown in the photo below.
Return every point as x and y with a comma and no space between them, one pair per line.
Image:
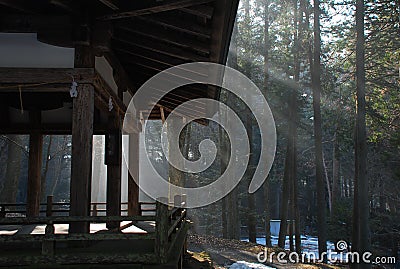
109,48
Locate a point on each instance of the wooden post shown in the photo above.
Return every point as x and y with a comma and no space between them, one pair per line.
114,169
82,143
178,201
34,165
48,243
161,244
3,211
133,173
94,210
49,206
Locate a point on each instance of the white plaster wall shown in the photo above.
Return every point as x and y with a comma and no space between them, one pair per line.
24,50
106,72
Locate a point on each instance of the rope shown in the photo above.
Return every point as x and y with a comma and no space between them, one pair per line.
20,99
96,79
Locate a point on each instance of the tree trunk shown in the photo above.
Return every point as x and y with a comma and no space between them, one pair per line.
8,193
251,199
328,185
267,208
267,214
284,202
224,217
361,178
316,83
336,186
355,217
223,166
233,222
298,36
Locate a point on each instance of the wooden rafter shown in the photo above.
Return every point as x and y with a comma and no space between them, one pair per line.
160,48
154,7
187,116
173,103
201,11
154,64
145,54
176,24
169,37
64,4
188,91
162,114
111,4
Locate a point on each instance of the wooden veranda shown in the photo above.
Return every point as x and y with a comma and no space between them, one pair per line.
116,46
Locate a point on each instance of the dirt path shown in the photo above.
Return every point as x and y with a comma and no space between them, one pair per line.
224,252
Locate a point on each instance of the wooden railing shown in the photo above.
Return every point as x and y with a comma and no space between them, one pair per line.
171,227
62,208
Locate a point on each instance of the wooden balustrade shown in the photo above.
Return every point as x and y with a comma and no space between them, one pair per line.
60,207
170,227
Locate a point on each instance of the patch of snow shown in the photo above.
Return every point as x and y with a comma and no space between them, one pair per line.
248,265
309,246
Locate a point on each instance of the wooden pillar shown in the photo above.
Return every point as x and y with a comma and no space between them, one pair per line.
175,175
114,169
162,226
133,176
49,206
34,168
82,143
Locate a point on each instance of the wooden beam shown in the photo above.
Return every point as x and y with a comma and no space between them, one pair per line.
201,11
133,175
34,166
82,143
46,75
222,27
49,129
101,37
154,7
161,34
33,23
121,77
114,168
23,6
162,114
51,29
105,91
177,24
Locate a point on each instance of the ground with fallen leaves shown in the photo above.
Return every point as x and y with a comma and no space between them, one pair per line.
221,253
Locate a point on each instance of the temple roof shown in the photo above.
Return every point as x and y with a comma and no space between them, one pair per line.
138,38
